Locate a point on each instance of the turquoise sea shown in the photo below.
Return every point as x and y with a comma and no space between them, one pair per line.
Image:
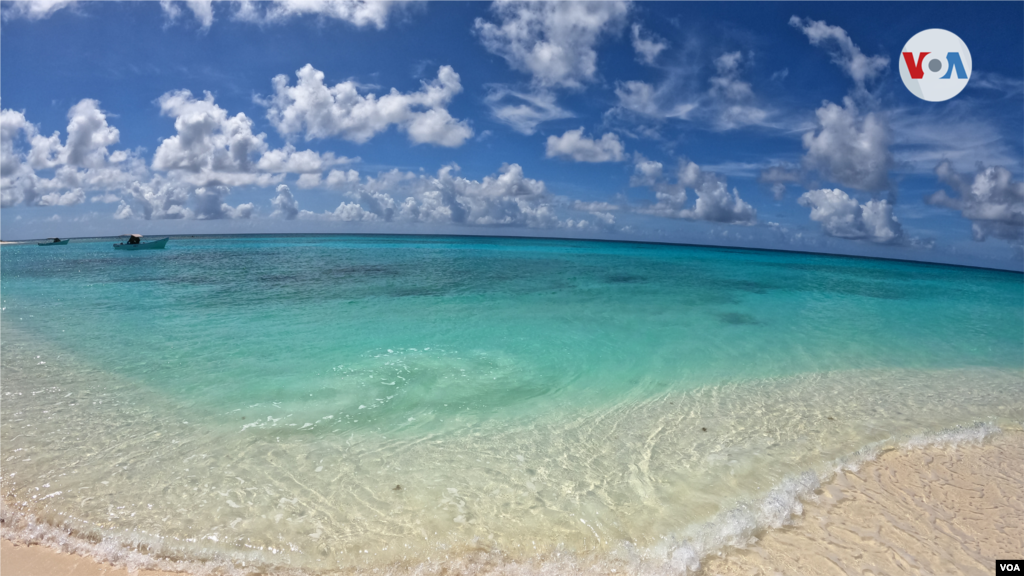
302,404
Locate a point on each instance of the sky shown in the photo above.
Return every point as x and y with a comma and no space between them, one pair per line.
766,125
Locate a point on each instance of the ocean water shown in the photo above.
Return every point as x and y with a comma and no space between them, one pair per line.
308,404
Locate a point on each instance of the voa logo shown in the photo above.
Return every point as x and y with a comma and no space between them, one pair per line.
935,65
1006,567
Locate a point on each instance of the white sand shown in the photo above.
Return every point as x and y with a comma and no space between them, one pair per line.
934,510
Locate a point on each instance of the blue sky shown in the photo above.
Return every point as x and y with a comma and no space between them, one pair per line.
769,125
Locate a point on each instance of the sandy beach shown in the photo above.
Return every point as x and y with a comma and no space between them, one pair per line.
950,509
934,510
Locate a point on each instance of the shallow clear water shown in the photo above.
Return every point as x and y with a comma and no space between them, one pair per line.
261,399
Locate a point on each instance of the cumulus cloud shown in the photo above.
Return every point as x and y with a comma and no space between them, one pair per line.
360,13
992,201
13,127
285,205
552,41
43,170
159,198
357,12
108,198
89,135
850,148
76,196
647,46
523,111
345,212
209,204
843,217
213,148
714,202
35,9
169,198
319,111
507,198
844,52
573,144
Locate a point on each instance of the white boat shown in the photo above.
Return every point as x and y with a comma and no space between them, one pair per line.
135,243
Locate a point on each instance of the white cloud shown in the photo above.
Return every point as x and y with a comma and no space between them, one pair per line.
209,205
303,162
35,9
646,172
843,217
524,111
339,178
76,196
83,162
13,127
647,46
994,81
240,212
552,41
958,132
358,12
848,148
844,52
573,144
159,198
208,141
285,205
507,198
309,181
124,212
992,201
714,202
213,148
726,84
345,212
727,104
656,102
731,100
108,198
594,207
88,135
319,111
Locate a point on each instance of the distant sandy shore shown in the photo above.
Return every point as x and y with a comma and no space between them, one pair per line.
941,510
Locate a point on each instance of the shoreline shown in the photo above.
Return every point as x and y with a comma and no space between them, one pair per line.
945,507
937,509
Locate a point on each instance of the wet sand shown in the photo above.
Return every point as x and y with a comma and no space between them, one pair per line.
21,560
929,510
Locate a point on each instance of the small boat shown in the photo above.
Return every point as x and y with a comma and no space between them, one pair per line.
56,242
135,243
